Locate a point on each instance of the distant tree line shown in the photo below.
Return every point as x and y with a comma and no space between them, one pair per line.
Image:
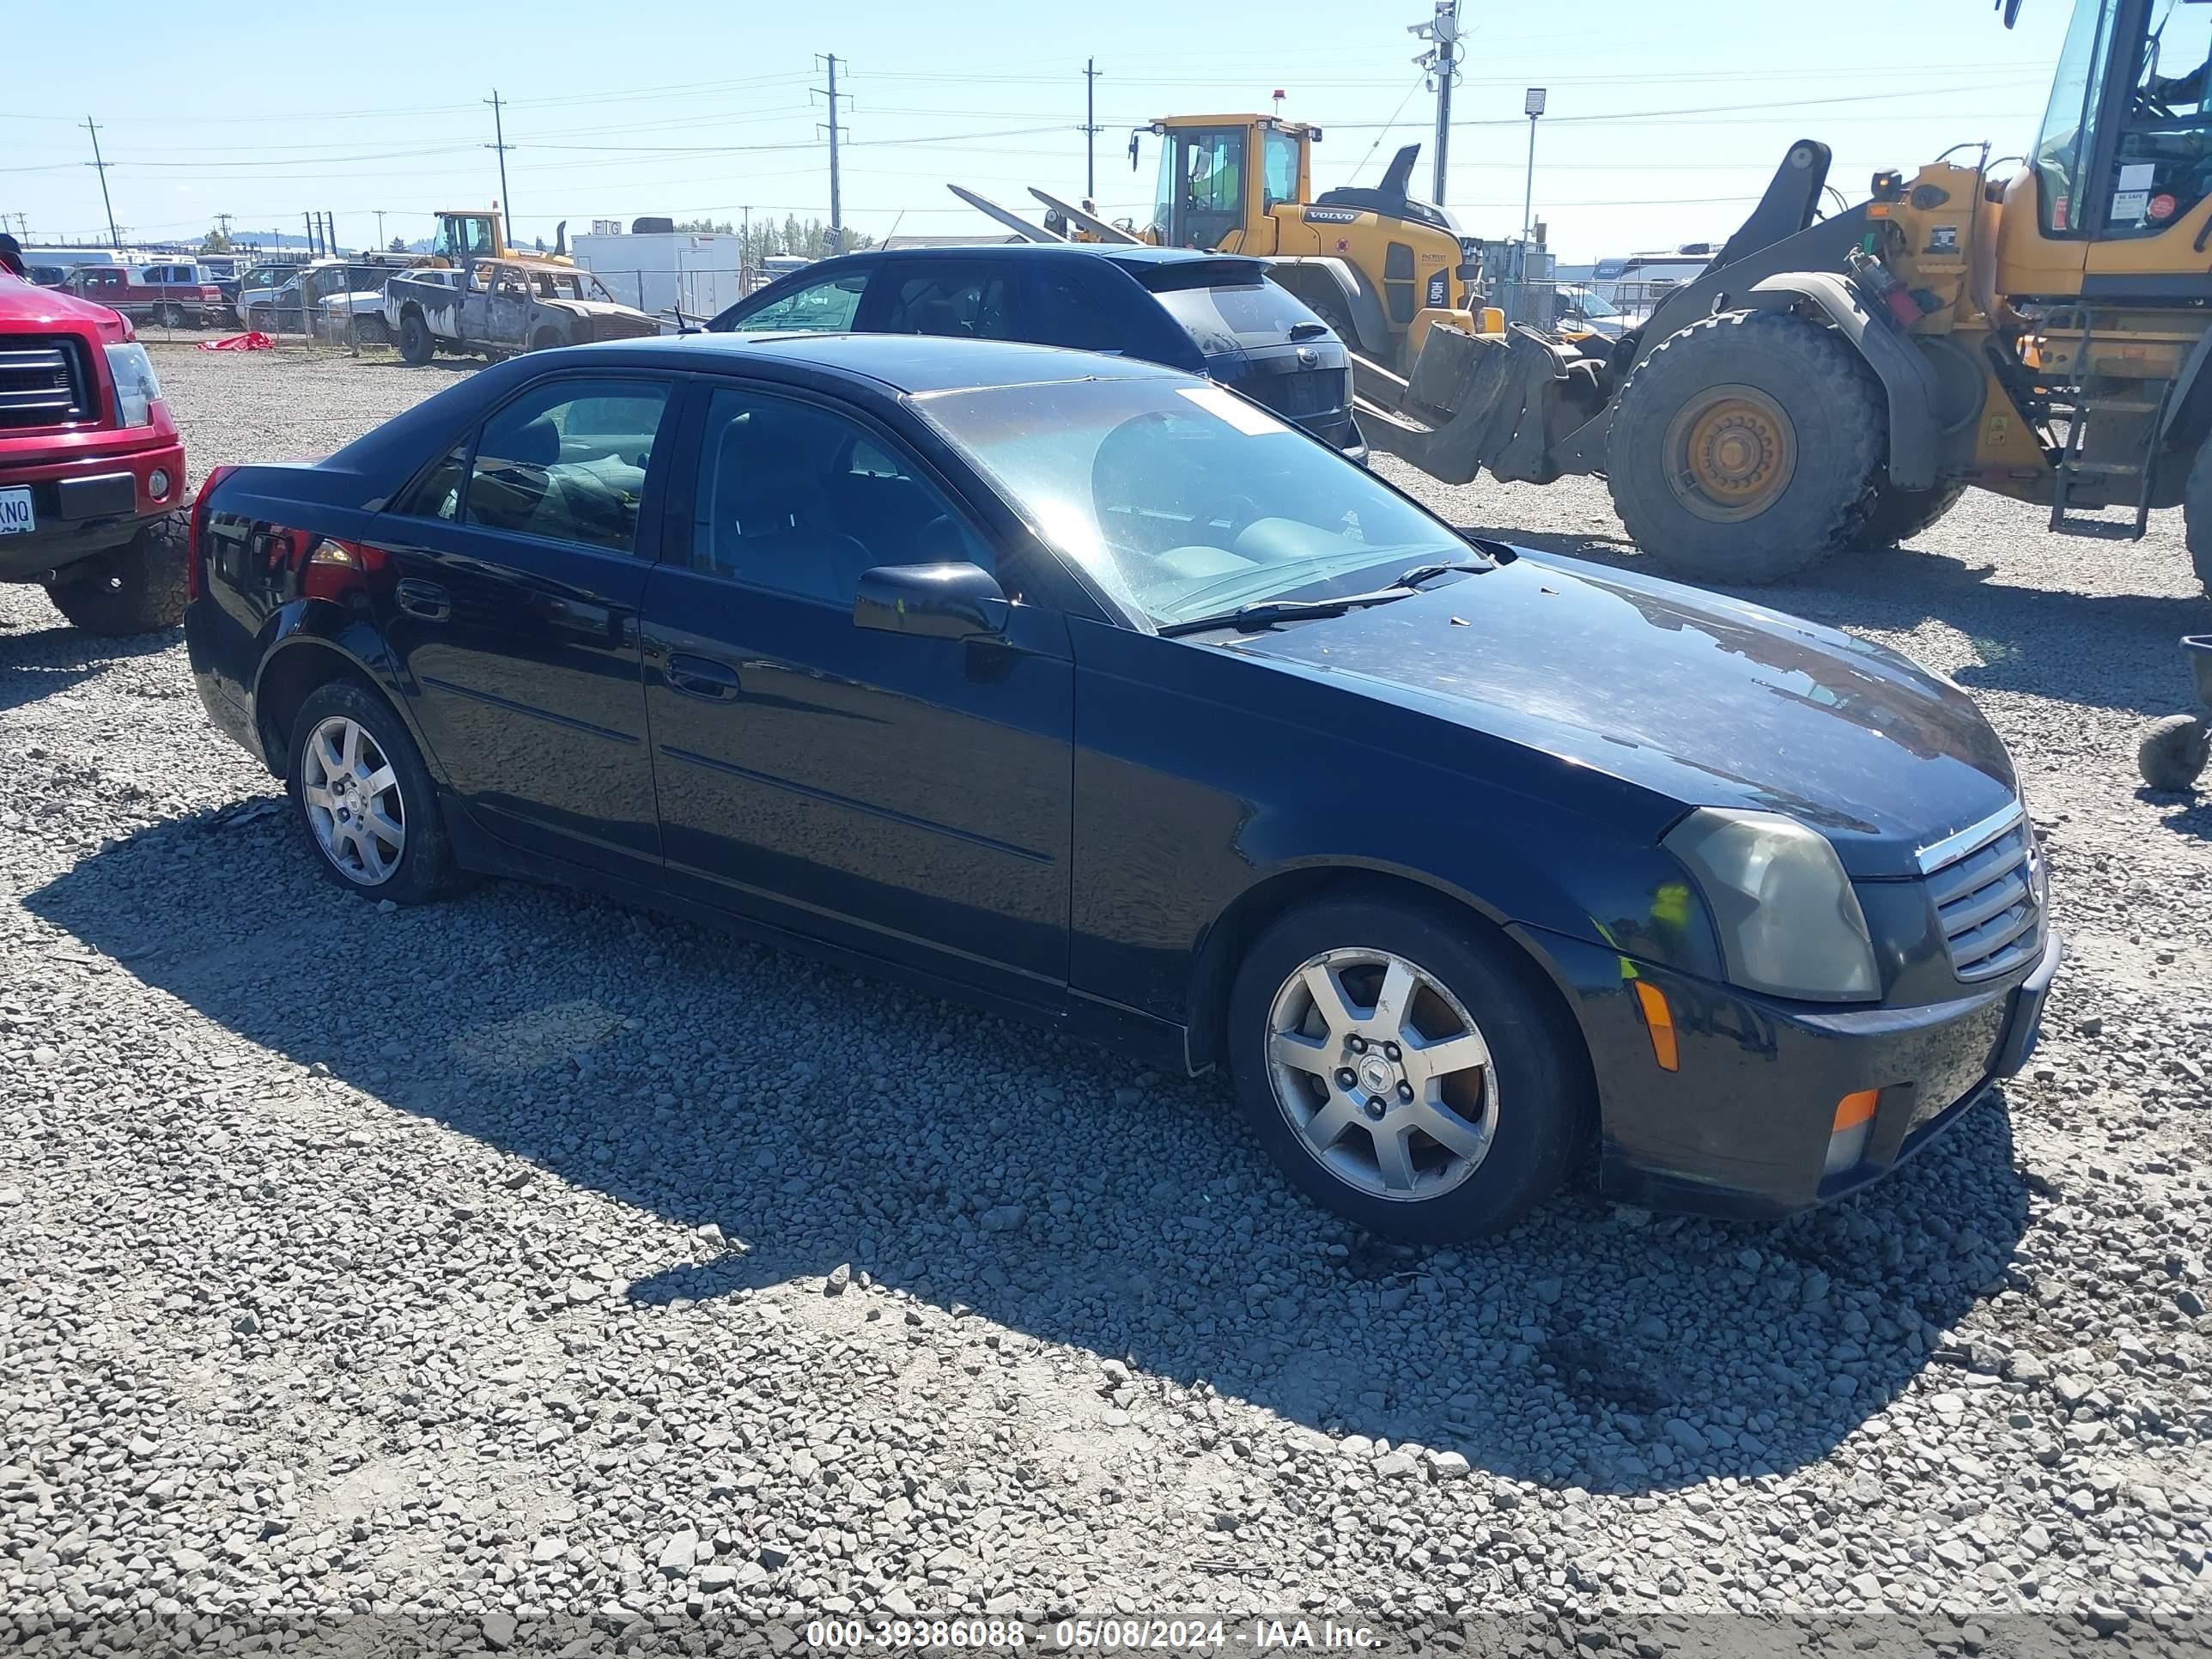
808,238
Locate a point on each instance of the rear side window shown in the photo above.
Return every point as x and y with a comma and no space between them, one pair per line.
825,307
965,302
1248,314
1075,309
566,461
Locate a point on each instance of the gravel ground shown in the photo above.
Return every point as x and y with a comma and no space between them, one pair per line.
529,1265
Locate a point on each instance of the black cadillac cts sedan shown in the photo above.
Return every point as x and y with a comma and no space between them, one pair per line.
1088,691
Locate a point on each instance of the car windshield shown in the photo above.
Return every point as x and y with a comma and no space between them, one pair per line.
1182,499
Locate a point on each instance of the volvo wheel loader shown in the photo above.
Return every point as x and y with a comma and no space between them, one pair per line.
2039,329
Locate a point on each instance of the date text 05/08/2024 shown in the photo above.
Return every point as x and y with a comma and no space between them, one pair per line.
1125,1634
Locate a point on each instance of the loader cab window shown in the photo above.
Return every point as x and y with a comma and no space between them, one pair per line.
2165,159
1202,192
2062,148
1279,167
466,236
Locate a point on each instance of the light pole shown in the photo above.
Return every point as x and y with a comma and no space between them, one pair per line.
1533,106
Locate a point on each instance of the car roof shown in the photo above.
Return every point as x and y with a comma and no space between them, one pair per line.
909,363
1125,253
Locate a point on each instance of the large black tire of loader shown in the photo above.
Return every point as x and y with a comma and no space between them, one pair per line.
1898,515
1837,424
2197,515
416,347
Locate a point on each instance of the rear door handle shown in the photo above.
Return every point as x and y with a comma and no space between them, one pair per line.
702,677
425,600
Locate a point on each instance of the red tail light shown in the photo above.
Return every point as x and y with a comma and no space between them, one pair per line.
196,543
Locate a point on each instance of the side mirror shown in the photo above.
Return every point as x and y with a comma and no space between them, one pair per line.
958,601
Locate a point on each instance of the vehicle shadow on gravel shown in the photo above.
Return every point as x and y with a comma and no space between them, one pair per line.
2107,650
39,662
830,1121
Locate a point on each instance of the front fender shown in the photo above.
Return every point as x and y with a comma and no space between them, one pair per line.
1907,378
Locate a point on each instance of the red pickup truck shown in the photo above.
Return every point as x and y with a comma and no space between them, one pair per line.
92,472
178,294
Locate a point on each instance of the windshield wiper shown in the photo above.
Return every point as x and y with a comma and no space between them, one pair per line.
1263,612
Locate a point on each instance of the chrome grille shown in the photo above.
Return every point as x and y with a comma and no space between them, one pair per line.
1987,888
42,383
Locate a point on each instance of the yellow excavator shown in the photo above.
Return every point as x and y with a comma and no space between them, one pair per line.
2038,328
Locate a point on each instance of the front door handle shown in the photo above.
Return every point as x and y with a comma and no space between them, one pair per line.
425,600
702,677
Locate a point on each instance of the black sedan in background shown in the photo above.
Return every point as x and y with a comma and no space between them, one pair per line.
1086,690
1214,314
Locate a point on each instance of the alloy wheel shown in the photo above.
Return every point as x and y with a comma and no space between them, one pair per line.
1382,1073
351,794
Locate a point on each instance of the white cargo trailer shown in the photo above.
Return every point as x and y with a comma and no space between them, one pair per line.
662,272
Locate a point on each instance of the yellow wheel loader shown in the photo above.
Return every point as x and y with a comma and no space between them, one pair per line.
2040,329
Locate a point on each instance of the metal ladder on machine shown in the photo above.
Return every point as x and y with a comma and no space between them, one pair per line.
2071,469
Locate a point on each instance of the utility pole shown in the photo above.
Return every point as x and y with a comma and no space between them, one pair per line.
1441,60
499,143
1090,130
309,219
101,165
379,230
330,229
836,203
745,260
1533,105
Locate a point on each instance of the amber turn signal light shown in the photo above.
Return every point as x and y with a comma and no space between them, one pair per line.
1660,1018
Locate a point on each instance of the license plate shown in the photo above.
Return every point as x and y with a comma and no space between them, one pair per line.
16,516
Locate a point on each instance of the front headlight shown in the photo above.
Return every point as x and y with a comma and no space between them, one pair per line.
137,389
1788,922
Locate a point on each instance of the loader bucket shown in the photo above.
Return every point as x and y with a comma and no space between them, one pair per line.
1474,401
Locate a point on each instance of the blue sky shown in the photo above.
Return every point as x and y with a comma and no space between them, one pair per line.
1665,119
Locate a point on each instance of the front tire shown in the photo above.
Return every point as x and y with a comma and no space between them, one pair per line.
2197,515
363,801
1403,1071
416,346
1745,448
137,589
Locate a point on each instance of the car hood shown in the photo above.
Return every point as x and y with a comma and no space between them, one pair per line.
1706,700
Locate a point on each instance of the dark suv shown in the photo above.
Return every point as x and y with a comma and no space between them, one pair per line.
1209,313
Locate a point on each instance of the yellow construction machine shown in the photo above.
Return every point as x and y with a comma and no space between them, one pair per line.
2039,329
467,235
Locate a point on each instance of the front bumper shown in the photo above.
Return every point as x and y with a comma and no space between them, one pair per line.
88,504
1742,1127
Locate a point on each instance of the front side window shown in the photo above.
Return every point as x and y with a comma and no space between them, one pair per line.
1182,499
2062,148
2165,163
827,306
959,300
566,461
1281,162
799,499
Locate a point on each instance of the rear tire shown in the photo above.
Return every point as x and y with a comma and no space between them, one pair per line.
1745,448
2197,515
363,801
1898,515
138,589
416,348
2174,751
1517,1098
